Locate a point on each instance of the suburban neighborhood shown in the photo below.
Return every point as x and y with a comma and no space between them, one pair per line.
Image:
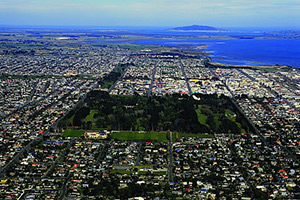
41,160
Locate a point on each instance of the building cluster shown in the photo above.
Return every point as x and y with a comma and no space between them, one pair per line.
228,166
206,168
286,86
268,167
169,80
137,79
240,84
29,176
79,60
38,90
203,81
275,120
31,116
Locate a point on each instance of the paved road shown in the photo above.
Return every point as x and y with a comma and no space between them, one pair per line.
283,146
31,102
114,85
54,126
247,75
16,158
139,154
223,81
270,90
63,189
171,159
186,79
242,112
292,83
250,122
101,153
22,196
32,92
241,168
59,159
152,79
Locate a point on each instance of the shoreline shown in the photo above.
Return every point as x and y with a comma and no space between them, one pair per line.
261,67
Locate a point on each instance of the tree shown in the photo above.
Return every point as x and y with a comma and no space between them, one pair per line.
211,122
80,114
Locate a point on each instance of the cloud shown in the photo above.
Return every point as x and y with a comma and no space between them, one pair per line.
160,12
39,5
177,6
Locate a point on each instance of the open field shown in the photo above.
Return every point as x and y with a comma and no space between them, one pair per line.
71,133
134,136
153,136
91,115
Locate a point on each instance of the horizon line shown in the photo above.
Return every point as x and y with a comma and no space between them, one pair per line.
137,26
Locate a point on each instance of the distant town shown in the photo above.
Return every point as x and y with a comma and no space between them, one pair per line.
64,136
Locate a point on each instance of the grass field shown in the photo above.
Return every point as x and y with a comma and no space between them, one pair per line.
132,136
90,117
143,166
71,133
201,117
152,136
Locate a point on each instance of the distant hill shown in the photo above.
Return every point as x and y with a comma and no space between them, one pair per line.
195,28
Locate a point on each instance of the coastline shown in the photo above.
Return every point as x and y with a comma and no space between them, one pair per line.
262,67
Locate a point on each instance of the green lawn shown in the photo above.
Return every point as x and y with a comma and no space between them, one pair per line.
132,136
159,173
144,166
201,117
71,133
90,117
228,112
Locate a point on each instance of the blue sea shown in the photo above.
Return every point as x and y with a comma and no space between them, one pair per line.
237,51
242,51
256,52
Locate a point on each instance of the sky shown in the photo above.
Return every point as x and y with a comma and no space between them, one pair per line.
160,13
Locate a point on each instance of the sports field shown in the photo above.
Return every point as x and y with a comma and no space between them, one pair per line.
134,136
71,133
